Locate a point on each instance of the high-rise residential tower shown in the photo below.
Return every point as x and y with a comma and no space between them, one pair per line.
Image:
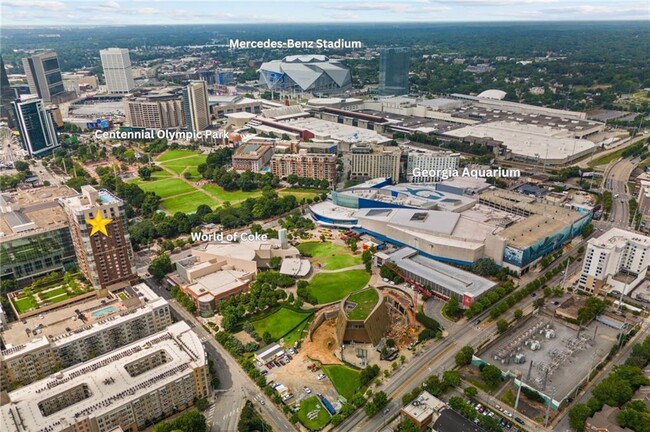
98,227
44,76
6,97
36,127
394,71
117,70
195,106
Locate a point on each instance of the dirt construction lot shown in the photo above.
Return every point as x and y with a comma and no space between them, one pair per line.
323,344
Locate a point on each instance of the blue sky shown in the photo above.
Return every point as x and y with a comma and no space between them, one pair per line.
114,12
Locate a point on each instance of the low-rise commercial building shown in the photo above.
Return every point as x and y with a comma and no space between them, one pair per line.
218,270
439,279
617,260
42,345
128,388
252,156
423,411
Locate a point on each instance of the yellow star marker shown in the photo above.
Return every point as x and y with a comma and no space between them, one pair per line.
99,223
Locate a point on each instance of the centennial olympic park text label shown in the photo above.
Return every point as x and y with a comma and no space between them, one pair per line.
467,172
232,237
159,134
292,43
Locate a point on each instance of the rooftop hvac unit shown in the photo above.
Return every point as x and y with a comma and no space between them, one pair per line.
520,358
535,345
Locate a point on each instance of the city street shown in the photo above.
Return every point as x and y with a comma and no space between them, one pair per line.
617,174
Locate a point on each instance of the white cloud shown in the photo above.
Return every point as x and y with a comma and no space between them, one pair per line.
604,10
38,5
488,3
389,7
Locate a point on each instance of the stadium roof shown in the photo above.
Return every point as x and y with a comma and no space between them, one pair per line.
492,94
314,73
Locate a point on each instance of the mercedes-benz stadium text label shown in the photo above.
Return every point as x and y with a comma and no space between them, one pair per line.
292,43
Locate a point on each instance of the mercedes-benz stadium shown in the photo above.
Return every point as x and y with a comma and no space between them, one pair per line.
316,74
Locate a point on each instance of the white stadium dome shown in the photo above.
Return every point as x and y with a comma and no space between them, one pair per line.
492,94
316,74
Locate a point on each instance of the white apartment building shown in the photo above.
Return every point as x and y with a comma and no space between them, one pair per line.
127,388
618,260
61,338
374,161
117,70
432,163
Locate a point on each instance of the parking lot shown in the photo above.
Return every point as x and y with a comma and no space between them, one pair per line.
298,377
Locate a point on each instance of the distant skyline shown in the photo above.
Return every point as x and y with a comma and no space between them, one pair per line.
21,13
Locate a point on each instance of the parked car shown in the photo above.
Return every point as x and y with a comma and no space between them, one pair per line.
519,420
307,389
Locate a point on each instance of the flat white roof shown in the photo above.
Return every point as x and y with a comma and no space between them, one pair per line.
459,281
528,140
295,267
338,131
108,382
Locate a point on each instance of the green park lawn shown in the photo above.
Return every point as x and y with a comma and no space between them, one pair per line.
330,255
157,175
176,154
297,333
279,323
188,202
178,165
25,303
329,287
346,380
167,187
300,193
231,196
46,295
366,301
311,404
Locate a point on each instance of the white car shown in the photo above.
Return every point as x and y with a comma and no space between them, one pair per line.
307,389
322,376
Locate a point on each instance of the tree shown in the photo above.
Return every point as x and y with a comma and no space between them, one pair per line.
518,314
464,356
160,266
587,230
21,166
453,306
502,325
613,391
250,420
144,172
485,267
578,416
201,404
191,421
471,392
408,426
491,375
451,378
267,338
275,262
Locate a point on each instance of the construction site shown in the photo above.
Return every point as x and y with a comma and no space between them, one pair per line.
397,322
549,355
